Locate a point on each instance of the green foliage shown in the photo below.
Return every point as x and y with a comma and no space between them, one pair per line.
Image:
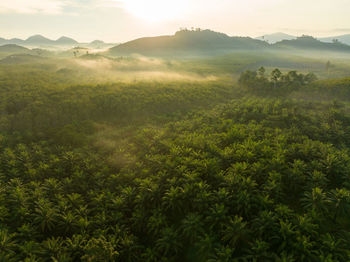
174,171
278,83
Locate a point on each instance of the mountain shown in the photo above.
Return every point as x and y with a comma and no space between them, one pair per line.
11,48
276,37
38,40
208,42
341,38
15,41
97,42
188,42
310,43
65,41
21,59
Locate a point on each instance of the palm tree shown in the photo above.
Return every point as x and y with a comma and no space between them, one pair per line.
233,231
316,200
18,200
45,215
75,246
7,245
157,222
275,76
284,257
191,227
100,249
30,249
150,255
218,216
341,202
287,232
52,186
75,200
222,254
307,226
266,226
168,243
52,247
173,198
83,224
260,251
67,221
261,72
335,246
205,247
31,258
27,232
304,247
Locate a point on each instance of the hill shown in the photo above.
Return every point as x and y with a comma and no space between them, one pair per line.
65,41
21,59
206,42
11,48
310,43
185,41
341,38
97,42
275,37
39,40
15,41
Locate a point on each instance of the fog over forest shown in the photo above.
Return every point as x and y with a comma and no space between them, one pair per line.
168,144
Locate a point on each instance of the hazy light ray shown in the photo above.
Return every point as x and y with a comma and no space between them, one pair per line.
156,10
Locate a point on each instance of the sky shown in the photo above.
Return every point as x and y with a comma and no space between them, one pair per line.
123,20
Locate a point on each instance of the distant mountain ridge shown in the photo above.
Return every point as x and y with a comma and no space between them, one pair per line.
187,41
311,43
276,37
184,42
341,38
208,42
12,48
39,40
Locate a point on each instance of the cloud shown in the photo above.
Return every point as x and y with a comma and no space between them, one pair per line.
51,6
32,6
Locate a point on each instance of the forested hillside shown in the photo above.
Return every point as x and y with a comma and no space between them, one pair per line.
173,170
192,43
187,42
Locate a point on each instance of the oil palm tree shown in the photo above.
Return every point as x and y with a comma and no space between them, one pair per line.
7,245
67,222
168,243
233,231
341,202
75,246
316,200
192,227
45,215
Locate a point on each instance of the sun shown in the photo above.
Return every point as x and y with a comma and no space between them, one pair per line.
155,10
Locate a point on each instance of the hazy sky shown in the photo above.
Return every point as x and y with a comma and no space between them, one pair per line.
122,20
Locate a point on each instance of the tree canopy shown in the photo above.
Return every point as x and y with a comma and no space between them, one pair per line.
177,171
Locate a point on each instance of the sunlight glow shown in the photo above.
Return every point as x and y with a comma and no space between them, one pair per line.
155,10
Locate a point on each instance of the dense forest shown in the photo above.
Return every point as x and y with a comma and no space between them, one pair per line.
182,170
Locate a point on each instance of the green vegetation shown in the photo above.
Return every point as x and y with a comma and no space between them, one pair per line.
277,82
209,43
98,162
